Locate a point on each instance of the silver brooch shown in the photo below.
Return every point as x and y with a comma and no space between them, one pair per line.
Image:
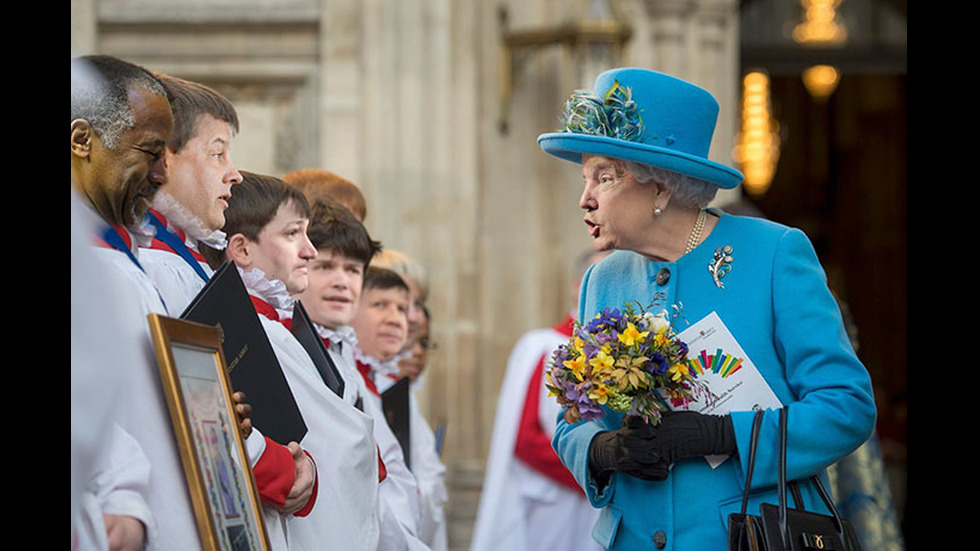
721,265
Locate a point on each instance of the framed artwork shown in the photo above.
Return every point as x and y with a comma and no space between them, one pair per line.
216,466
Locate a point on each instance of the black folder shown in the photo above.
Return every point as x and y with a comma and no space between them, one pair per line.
306,334
394,403
252,364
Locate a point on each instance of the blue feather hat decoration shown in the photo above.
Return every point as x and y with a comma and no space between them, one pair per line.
615,115
643,116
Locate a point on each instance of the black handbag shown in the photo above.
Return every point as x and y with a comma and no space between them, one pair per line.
779,528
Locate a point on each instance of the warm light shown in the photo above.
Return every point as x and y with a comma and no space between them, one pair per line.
821,81
820,26
757,144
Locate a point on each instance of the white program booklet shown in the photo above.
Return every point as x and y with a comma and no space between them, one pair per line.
728,380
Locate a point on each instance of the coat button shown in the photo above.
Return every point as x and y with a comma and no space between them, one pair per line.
660,539
663,276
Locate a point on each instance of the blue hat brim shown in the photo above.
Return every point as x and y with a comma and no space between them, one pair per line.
571,146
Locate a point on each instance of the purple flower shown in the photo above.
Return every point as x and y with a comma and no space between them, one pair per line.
681,349
561,355
603,338
607,318
571,393
658,364
590,350
589,410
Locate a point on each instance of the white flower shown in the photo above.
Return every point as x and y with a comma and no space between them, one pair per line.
656,322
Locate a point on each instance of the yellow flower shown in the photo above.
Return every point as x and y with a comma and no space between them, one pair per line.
631,336
601,362
577,366
600,393
552,387
679,371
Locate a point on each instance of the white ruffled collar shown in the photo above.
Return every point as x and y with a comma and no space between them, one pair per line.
377,366
193,227
216,240
142,234
272,291
344,334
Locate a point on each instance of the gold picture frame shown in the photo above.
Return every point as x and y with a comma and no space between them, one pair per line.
216,466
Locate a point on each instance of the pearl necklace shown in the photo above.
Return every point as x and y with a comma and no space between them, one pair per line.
695,236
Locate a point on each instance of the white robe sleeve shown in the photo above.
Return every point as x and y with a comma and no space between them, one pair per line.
431,476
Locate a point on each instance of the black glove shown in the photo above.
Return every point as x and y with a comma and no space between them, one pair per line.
684,434
629,450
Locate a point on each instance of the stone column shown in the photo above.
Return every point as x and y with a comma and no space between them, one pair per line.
83,27
672,37
341,97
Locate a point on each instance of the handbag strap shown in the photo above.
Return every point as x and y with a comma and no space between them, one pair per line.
754,443
783,524
794,491
829,502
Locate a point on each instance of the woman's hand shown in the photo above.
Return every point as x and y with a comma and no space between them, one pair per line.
685,434
647,452
630,450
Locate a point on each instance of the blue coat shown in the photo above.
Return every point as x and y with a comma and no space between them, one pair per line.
777,305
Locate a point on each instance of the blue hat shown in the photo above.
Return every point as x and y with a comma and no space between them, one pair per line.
643,116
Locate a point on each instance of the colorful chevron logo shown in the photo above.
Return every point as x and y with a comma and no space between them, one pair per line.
718,363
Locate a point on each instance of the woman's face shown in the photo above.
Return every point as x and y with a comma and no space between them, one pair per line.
618,209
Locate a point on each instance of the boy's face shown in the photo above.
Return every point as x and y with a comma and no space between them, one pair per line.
283,250
334,290
382,322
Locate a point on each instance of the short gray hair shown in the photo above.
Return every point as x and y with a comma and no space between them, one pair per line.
103,99
686,190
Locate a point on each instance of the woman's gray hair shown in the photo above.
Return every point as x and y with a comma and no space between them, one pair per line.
686,190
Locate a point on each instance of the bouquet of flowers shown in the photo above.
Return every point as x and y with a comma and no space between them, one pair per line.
629,361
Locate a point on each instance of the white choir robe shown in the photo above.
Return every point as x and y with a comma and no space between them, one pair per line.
109,472
142,412
178,284
398,495
118,486
340,440
520,508
429,472
177,281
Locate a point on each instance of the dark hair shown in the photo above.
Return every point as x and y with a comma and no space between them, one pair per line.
383,278
318,184
103,98
252,205
333,227
189,101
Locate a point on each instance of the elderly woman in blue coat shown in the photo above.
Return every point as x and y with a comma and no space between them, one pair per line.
642,139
